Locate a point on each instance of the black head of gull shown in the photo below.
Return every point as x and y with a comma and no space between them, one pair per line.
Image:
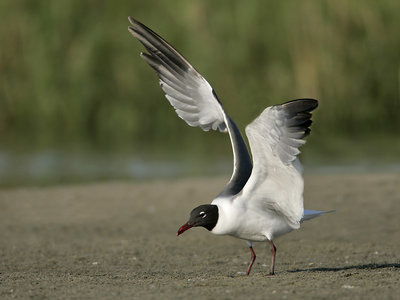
205,215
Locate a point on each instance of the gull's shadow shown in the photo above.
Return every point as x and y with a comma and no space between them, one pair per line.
355,267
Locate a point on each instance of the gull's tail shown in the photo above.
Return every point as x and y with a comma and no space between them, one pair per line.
311,214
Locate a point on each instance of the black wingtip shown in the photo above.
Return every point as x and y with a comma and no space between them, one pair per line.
309,101
300,105
132,20
298,113
135,24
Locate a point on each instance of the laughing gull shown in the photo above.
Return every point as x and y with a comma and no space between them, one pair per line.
260,202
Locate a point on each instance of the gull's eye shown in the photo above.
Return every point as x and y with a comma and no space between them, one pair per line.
202,214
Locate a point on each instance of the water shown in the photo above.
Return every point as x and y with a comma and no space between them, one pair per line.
58,166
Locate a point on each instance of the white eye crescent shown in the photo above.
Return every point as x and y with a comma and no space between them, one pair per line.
202,214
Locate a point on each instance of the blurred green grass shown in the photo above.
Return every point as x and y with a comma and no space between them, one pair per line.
71,75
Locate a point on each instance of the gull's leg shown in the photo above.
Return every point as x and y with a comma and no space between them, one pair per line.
253,257
273,251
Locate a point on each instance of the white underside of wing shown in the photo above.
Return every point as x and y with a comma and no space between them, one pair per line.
276,183
278,191
195,103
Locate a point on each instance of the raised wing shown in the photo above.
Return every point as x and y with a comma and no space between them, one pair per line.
193,98
276,182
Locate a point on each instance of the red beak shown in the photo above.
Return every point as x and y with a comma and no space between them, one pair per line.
183,228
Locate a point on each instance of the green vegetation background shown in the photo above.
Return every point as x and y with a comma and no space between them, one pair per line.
70,73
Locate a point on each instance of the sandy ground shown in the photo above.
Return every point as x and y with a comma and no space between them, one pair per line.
117,241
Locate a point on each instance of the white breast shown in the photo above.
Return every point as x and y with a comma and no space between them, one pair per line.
237,219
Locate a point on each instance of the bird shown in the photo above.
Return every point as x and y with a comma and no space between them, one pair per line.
264,197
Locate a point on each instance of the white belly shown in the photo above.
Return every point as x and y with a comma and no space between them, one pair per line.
251,225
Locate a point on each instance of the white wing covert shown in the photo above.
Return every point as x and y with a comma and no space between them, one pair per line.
276,182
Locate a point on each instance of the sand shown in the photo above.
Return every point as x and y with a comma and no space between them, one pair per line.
117,240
